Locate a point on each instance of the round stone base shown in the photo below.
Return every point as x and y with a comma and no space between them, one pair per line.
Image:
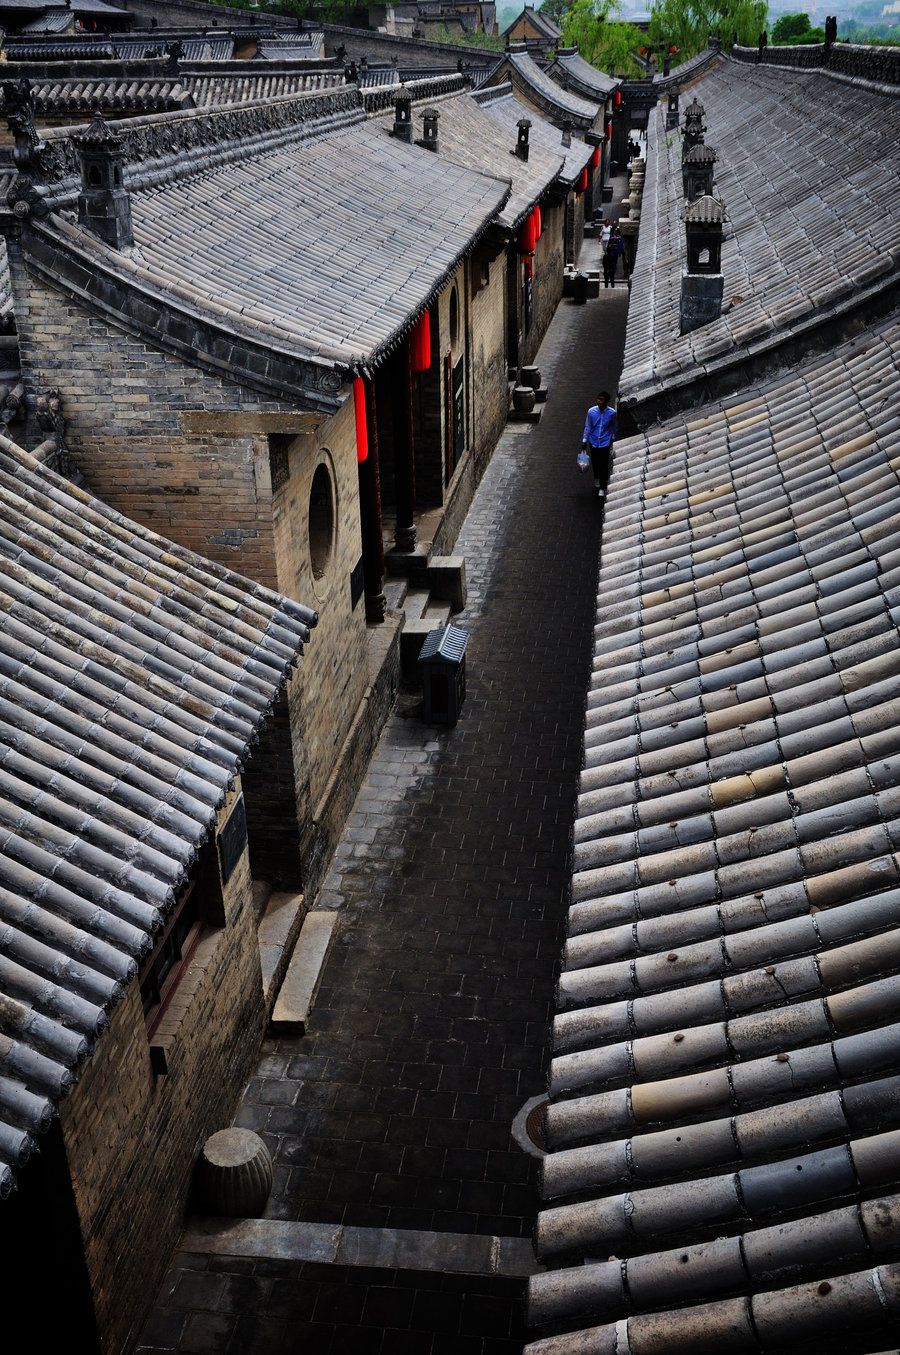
234,1174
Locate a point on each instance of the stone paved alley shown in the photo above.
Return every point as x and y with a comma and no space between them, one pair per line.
430,1029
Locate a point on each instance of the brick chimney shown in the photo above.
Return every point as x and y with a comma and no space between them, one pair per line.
702,283
104,207
402,128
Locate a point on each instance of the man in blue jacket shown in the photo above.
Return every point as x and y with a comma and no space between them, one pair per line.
600,431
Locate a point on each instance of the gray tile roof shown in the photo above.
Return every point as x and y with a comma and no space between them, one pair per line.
814,214
545,140
134,675
531,80
343,239
209,89
483,137
725,1088
112,98
570,66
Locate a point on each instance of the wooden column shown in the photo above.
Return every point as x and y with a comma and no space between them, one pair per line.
370,516
404,453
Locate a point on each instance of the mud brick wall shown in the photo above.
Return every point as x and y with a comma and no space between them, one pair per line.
132,1137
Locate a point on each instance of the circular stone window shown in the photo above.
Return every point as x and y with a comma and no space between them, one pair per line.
321,522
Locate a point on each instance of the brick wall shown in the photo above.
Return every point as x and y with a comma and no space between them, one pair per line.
548,278
191,457
132,1138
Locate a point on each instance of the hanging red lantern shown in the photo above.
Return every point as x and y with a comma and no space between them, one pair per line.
609,131
537,223
420,344
359,409
595,158
582,182
527,239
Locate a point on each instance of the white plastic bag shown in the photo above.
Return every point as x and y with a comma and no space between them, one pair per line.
584,460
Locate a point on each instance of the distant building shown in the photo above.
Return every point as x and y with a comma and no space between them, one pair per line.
536,29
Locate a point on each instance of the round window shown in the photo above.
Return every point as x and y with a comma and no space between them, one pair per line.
321,522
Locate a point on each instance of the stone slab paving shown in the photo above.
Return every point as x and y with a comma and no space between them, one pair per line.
430,1027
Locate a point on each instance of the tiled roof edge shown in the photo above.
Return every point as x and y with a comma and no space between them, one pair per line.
108,283
402,330
659,398
163,147
378,98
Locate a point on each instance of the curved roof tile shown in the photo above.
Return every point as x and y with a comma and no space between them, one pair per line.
134,676
810,223
724,1123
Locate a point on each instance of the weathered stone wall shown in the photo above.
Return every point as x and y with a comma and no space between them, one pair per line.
132,1137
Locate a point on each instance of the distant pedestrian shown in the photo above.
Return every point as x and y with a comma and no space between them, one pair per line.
601,428
615,246
605,233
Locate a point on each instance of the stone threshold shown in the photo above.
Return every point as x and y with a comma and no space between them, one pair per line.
379,1248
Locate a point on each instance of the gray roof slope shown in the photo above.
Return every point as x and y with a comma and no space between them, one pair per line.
544,139
529,77
398,220
814,214
254,84
585,78
109,96
725,1087
134,675
484,138
51,21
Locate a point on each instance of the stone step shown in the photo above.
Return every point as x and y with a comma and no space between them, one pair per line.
437,613
447,580
395,590
298,992
278,929
415,603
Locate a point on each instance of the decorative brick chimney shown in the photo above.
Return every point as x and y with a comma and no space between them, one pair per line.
697,171
702,283
104,207
694,127
403,129
524,126
430,120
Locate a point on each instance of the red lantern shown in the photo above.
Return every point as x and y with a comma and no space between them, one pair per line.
420,344
537,224
359,408
609,131
582,182
527,238
595,158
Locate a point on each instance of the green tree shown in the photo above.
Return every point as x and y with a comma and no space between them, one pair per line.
583,24
790,26
555,9
689,24
618,44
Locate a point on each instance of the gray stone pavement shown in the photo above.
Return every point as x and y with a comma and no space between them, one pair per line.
430,1029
